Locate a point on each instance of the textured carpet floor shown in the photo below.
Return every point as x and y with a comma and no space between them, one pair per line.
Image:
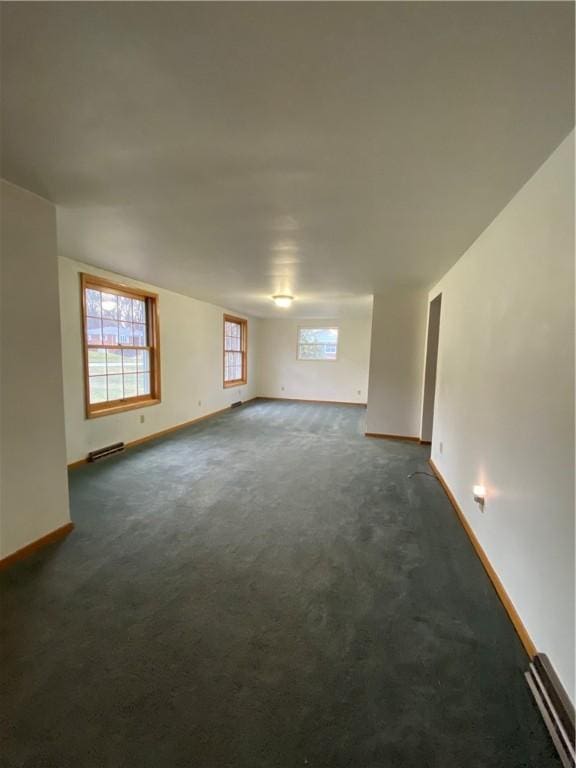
266,589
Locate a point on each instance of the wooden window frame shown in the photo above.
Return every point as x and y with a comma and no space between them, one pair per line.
94,410
243,349
317,359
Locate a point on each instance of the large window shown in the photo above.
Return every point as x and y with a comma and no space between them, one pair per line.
317,343
121,356
235,345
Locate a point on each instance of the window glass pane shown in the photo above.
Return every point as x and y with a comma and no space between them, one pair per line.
317,352
115,389
139,337
143,359
110,332
97,386
309,352
110,305
232,366
328,351
317,343
93,331
318,335
118,356
93,305
143,383
130,386
129,359
139,310
125,334
114,360
125,308
97,362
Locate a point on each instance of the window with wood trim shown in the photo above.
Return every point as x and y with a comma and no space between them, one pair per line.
121,347
235,349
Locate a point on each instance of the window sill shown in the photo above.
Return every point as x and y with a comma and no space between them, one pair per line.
96,414
238,383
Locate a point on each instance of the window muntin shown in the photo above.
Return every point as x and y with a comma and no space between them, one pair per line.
318,343
120,346
235,345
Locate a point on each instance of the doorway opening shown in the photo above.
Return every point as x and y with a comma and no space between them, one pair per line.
430,372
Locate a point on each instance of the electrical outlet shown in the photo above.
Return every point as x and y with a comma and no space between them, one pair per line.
281,389
142,418
359,392
441,447
199,403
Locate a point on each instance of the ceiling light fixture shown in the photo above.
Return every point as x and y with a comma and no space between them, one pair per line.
283,301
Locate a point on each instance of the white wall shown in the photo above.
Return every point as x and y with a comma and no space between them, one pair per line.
33,479
396,362
191,366
505,400
341,380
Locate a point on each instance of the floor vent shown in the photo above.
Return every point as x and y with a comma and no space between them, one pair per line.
555,707
235,405
102,453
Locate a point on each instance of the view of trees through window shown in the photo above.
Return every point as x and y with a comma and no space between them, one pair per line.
317,343
118,350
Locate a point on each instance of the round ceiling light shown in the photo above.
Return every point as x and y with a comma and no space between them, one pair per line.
283,301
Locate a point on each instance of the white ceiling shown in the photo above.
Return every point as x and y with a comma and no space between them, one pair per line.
230,151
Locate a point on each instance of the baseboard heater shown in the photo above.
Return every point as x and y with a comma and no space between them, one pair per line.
235,405
102,453
555,707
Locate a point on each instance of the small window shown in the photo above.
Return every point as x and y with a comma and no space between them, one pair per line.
317,343
235,345
121,360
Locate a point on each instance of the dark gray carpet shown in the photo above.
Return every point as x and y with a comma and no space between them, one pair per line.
265,589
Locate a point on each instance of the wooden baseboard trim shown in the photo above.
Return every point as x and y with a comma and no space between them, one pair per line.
76,464
525,638
43,541
381,436
425,442
167,431
318,402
